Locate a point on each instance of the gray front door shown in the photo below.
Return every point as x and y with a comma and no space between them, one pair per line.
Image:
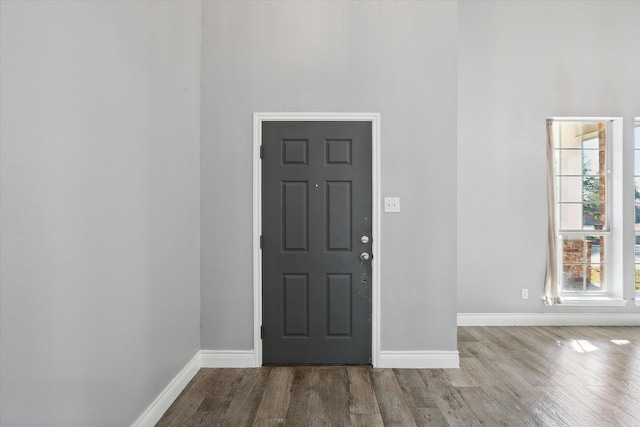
316,223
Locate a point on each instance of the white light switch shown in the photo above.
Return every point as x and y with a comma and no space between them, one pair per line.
392,204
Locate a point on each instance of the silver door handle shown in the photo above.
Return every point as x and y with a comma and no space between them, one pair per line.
365,256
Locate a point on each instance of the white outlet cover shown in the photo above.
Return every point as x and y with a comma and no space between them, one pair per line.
392,204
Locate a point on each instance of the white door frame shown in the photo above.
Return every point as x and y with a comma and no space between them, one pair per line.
374,118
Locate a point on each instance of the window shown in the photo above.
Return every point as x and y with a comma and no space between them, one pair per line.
581,151
590,243
636,186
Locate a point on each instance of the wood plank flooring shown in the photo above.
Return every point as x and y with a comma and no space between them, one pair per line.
509,376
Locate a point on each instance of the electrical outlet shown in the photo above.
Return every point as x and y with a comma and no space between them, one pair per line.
525,293
392,204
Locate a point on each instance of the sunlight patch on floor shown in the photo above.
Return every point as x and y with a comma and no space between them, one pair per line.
620,342
583,346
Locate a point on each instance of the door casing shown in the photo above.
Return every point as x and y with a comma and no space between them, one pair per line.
374,119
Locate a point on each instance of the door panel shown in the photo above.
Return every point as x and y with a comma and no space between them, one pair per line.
316,198
339,216
339,310
296,305
295,207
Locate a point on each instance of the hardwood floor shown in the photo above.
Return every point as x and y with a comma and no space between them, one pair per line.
511,376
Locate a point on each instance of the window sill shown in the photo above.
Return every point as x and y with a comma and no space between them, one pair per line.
594,301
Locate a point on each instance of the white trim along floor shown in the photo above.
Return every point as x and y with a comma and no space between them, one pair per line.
388,359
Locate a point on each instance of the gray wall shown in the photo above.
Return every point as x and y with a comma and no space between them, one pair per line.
395,58
104,238
520,63
99,305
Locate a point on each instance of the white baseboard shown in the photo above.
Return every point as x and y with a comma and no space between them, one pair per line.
548,319
246,359
161,403
419,359
228,358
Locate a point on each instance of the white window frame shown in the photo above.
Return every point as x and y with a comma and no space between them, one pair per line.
615,272
636,149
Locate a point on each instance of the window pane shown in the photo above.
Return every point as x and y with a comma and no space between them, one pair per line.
570,162
573,277
583,259
594,201
636,159
591,143
570,189
595,249
571,216
573,250
593,188
636,183
591,162
565,136
593,216
595,276
637,277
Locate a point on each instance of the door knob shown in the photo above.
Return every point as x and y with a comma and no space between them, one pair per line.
365,256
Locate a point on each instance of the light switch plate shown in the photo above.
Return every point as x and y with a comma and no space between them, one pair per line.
392,204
